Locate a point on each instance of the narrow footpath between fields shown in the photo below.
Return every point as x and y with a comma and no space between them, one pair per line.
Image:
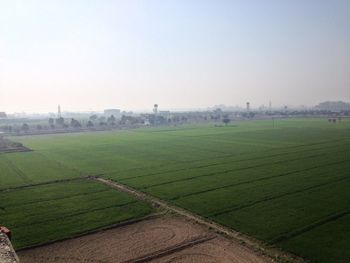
254,246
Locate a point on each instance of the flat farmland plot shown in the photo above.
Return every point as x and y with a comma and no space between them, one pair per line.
286,183
332,241
40,214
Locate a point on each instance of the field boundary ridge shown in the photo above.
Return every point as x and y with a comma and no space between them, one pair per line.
14,188
255,245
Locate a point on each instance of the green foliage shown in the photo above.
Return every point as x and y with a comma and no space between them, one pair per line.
283,181
46,213
75,124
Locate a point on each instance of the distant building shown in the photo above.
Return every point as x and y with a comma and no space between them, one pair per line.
164,113
128,113
109,112
3,115
335,106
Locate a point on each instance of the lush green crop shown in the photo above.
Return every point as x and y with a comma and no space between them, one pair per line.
39,214
286,184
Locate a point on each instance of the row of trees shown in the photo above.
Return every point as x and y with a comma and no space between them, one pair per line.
101,122
61,124
53,124
93,121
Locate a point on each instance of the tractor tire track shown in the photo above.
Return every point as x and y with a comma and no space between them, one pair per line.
18,171
219,163
234,170
227,156
86,211
15,188
171,250
260,179
300,231
57,198
237,208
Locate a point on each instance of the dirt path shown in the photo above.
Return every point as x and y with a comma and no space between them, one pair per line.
255,247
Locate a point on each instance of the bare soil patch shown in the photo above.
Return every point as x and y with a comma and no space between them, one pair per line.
8,146
164,239
215,250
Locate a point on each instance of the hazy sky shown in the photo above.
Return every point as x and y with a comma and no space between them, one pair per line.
91,55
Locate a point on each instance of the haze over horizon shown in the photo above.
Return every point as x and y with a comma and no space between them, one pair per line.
91,55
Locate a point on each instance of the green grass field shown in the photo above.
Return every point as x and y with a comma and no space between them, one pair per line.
44,213
286,184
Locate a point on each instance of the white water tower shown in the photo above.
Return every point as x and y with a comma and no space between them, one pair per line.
155,109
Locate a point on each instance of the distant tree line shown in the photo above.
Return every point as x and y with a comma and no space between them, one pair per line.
95,122
61,124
